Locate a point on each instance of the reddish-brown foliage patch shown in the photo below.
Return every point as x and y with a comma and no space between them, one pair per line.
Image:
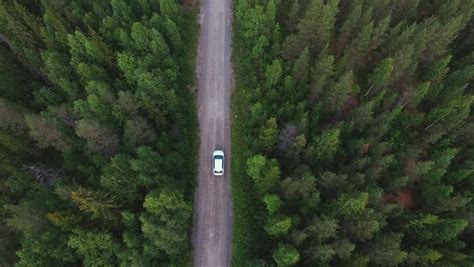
423,13
365,149
405,197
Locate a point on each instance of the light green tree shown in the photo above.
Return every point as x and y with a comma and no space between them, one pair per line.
265,173
166,221
286,255
278,225
273,73
380,76
95,248
268,135
273,203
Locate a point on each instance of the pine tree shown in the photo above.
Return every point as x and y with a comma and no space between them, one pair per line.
325,145
47,132
138,132
317,26
335,98
166,221
301,187
380,76
95,248
99,138
386,250
267,138
45,248
294,15
322,228
273,73
120,179
60,73
321,75
301,68
12,118
97,204
349,26
343,248
346,205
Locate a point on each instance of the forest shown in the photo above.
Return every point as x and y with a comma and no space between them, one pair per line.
352,140
353,143
97,132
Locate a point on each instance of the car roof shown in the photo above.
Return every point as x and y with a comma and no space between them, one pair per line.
218,164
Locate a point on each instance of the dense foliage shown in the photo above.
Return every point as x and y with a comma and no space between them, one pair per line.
358,130
97,132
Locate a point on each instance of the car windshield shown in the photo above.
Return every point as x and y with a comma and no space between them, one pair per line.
218,157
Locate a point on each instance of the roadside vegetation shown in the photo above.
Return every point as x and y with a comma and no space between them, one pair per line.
353,142
245,229
97,132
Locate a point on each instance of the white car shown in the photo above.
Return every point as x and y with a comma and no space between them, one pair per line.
218,158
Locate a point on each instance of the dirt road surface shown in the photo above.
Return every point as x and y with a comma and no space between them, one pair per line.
213,207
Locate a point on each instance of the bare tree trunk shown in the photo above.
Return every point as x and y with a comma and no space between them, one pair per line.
42,173
368,91
433,123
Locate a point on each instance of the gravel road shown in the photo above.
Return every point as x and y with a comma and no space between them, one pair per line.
213,206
